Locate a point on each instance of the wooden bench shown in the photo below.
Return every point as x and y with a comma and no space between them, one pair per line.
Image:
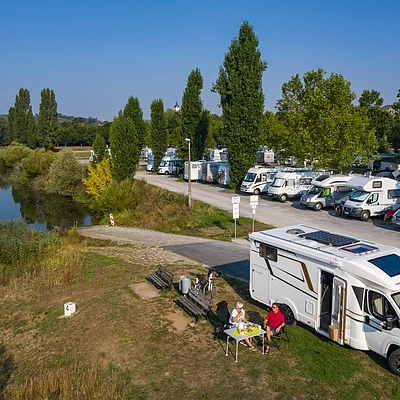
162,278
195,303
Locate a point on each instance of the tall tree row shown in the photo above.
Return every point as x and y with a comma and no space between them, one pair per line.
47,126
133,111
21,123
194,126
124,148
240,87
158,131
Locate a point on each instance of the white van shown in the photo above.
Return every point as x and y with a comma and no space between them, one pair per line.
342,287
370,196
170,166
292,183
257,180
327,190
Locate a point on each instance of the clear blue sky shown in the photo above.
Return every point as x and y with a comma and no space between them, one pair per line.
95,54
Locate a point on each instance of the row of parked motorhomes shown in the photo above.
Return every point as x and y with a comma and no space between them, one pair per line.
361,196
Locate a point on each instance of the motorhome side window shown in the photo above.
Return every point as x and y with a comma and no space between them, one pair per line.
268,252
379,306
290,182
394,194
377,184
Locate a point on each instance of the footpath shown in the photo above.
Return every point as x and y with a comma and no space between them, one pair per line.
230,258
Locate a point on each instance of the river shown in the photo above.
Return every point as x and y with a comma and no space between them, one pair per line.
40,210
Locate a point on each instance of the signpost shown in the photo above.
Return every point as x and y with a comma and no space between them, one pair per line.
253,204
235,209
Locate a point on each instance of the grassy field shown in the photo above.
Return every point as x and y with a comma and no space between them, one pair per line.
121,346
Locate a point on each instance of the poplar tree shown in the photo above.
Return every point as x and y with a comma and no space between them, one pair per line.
124,148
99,148
191,112
22,107
47,126
133,111
239,85
158,131
9,137
31,139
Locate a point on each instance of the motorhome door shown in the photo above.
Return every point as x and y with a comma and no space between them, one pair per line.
338,313
260,283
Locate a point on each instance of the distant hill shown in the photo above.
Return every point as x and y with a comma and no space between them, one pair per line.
68,118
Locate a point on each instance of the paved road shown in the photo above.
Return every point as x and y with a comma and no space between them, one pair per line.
230,258
280,214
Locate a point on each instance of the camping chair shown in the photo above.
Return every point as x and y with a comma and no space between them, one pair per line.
223,317
279,338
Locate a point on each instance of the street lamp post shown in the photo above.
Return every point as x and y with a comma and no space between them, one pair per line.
190,177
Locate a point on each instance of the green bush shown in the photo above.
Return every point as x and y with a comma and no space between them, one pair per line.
37,163
118,197
14,154
65,174
20,248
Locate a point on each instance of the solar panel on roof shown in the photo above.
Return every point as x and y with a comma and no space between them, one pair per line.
331,239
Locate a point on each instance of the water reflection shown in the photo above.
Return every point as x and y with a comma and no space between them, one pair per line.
41,210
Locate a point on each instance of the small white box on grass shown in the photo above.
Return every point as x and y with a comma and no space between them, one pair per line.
69,309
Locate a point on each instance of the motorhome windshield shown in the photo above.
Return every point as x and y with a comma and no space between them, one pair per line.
359,196
315,190
396,298
250,177
164,163
278,182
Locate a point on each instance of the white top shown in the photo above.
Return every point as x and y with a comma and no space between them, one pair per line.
234,313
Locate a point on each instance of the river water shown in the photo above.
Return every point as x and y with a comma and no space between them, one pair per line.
40,210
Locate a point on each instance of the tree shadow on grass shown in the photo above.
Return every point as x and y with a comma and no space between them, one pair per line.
6,369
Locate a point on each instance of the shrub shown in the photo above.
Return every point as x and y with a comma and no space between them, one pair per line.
65,174
14,154
99,179
20,248
37,163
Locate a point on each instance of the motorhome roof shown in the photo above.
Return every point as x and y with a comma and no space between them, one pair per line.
369,184
331,180
377,263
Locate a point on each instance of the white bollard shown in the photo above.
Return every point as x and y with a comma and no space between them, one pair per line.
69,309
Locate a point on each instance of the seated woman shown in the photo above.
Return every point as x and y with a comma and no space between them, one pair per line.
237,316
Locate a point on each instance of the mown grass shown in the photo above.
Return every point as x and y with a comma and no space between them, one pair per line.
120,346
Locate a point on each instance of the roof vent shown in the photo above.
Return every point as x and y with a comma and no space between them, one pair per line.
295,231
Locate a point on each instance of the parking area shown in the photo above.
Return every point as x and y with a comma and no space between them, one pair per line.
281,214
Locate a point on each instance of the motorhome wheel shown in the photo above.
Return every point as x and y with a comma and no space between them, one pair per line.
166,173
257,191
364,215
283,198
394,362
318,207
289,316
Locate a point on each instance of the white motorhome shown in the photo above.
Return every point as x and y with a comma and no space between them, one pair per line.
195,170
370,196
170,166
345,288
326,190
291,183
257,180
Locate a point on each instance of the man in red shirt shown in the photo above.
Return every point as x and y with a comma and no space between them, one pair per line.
273,323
